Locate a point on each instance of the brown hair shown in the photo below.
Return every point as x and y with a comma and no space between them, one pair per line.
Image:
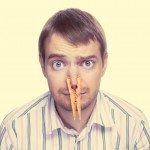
75,26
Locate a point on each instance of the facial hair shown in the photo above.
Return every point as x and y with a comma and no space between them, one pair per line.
62,98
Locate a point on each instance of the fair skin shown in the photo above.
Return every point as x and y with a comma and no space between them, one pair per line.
62,60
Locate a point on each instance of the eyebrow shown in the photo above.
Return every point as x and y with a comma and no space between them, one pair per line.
87,57
56,56
78,57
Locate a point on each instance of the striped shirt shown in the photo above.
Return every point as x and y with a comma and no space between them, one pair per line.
113,125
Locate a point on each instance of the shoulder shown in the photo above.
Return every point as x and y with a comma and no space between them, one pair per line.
37,103
122,106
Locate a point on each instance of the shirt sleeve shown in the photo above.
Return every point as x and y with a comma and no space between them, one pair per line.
143,136
6,139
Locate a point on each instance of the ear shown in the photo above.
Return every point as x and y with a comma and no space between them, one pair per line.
105,60
41,60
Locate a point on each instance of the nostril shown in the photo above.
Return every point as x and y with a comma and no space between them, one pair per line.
74,87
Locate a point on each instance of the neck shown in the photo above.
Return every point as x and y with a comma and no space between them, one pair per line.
69,122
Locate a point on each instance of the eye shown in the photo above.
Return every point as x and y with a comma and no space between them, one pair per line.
88,64
58,65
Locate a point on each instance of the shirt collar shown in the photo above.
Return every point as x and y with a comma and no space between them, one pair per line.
51,117
101,114
55,120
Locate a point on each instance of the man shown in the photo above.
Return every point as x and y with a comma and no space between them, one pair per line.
74,114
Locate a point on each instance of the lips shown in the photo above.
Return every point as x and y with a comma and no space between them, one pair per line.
66,93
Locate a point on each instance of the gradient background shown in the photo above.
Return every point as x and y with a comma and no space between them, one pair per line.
127,27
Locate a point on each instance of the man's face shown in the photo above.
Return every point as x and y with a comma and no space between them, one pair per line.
63,60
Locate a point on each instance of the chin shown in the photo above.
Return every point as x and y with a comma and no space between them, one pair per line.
85,105
66,106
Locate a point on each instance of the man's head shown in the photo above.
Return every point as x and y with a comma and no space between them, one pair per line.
75,26
72,44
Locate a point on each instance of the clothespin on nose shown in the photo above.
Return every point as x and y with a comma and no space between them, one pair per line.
74,91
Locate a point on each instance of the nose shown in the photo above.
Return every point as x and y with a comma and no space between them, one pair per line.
73,74
73,79
74,87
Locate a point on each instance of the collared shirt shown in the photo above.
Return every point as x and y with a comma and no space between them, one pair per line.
113,125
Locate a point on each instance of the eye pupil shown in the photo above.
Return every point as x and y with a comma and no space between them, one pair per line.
58,64
87,63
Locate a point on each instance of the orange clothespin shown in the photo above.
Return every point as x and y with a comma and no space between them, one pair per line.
75,98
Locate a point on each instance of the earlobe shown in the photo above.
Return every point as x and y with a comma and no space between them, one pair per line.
42,65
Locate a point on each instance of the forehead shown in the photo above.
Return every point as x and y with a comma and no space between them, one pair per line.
58,45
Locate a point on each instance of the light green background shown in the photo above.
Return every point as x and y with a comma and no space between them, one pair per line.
127,27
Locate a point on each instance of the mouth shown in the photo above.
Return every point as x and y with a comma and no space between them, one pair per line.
68,94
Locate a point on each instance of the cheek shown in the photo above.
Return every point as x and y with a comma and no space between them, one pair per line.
93,75
92,80
95,80
55,79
